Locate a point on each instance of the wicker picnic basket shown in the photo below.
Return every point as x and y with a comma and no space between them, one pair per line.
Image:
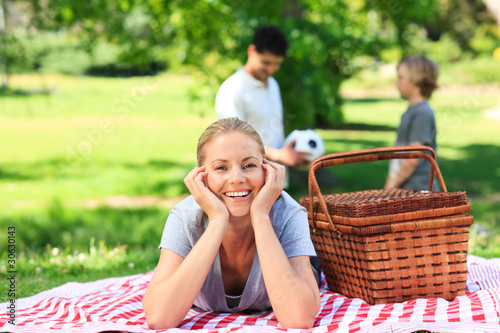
387,246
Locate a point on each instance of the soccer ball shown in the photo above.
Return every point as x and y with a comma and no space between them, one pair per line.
307,141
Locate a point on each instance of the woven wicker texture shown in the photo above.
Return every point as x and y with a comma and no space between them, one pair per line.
388,246
382,206
397,262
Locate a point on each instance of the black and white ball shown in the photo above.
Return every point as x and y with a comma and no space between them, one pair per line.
307,141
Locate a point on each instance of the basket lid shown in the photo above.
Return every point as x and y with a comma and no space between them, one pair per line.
370,207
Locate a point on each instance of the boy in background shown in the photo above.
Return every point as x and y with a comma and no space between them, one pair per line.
417,80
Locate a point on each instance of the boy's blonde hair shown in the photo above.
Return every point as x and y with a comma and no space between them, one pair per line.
225,126
423,73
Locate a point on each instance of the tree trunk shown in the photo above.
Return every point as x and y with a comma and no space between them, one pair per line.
3,45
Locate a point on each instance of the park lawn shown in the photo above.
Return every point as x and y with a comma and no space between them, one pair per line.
101,161
73,161
97,137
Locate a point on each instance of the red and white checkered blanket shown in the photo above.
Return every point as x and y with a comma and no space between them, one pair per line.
116,305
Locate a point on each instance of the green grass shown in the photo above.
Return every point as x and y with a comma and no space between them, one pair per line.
53,266
94,168
67,157
94,138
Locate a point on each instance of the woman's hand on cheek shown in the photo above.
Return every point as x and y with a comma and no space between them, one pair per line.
275,177
209,202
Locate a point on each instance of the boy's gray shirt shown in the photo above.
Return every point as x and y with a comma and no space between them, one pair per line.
187,222
417,125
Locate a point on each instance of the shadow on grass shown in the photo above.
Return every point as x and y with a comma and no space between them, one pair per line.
7,92
162,164
62,168
370,100
477,173
5,173
65,227
167,188
348,142
31,171
365,127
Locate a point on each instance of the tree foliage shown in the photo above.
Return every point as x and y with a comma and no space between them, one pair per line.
330,40
461,19
3,45
400,15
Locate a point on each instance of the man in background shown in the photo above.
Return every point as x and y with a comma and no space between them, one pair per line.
253,95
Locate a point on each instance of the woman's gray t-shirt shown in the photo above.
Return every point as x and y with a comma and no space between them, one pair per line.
187,222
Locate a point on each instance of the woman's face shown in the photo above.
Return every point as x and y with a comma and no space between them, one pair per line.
235,172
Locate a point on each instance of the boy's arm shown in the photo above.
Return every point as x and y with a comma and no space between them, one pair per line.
405,171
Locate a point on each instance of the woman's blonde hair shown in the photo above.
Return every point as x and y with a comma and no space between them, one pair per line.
423,73
225,126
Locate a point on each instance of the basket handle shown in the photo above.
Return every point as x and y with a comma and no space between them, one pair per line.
367,155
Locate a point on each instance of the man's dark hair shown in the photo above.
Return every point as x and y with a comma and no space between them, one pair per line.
270,39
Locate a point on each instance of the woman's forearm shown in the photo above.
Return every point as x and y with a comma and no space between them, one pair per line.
293,292
169,298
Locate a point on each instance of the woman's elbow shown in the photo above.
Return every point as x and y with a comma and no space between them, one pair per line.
154,325
157,325
301,320
298,323
156,322
301,317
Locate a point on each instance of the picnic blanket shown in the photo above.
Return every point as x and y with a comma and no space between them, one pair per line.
115,304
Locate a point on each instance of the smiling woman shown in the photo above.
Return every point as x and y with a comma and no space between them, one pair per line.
239,242
235,172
